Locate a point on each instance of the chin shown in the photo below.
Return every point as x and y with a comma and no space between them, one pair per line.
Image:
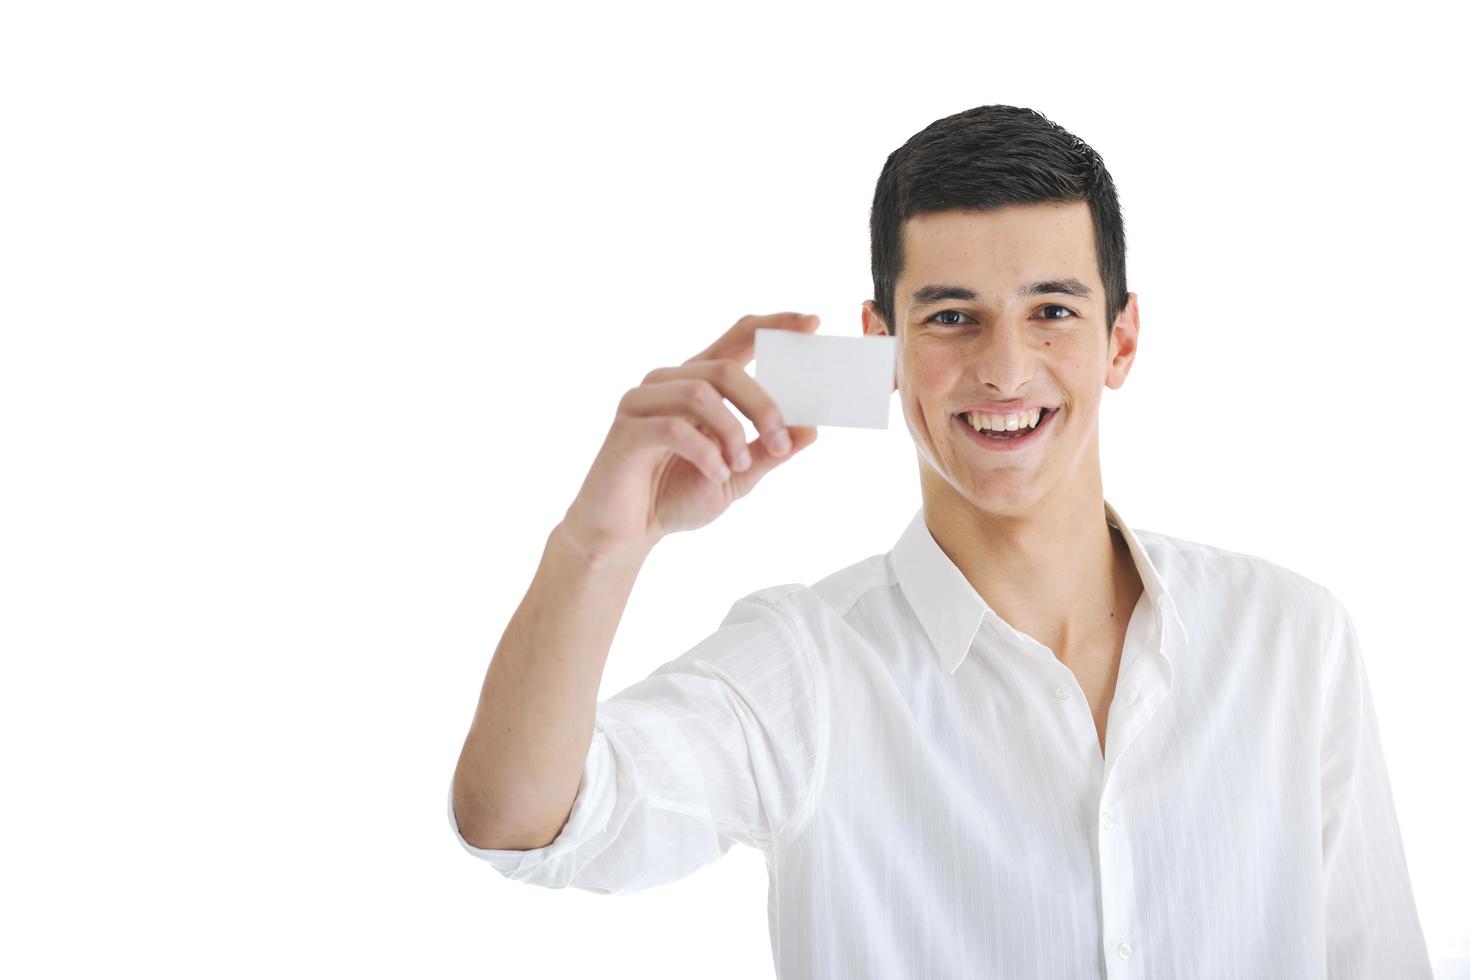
1017,500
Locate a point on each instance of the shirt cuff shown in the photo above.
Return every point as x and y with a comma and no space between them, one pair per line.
588,818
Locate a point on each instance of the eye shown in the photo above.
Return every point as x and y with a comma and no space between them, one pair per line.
941,313
1054,306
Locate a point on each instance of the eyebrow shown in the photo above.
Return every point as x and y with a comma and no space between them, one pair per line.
928,295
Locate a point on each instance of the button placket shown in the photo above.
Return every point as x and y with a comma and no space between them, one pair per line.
1118,886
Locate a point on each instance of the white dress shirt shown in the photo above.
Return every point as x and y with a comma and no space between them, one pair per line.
926,784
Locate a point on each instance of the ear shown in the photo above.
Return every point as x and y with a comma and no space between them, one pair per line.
873,327
1123,344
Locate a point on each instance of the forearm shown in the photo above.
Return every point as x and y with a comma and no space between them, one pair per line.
522,761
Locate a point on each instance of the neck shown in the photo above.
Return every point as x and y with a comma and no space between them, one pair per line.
1059,573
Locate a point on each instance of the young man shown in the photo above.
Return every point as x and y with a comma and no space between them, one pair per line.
1028,741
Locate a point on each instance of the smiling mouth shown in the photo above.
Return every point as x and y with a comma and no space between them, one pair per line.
1007,438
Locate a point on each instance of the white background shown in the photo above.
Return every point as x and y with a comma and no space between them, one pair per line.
315,315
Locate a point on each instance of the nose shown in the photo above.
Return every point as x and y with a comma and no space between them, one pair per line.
1004,360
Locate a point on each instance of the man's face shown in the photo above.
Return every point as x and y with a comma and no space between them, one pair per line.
1005,348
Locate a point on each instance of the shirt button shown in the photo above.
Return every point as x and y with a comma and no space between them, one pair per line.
1124,951
1061,692
1107,819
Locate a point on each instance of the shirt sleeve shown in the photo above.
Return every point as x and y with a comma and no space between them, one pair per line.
1371,920
723,745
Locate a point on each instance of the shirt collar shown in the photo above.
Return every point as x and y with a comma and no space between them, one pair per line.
952,612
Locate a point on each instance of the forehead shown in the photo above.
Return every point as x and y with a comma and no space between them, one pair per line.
1016,241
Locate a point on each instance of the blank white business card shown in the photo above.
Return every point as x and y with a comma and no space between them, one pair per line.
824,380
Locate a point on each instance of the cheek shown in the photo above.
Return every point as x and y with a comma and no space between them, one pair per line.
927,378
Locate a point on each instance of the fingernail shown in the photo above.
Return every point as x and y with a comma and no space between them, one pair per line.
780,442
742,461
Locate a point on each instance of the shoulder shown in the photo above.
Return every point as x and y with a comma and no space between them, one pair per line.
1201,575
828,598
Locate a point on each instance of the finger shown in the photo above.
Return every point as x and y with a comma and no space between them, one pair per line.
697,400
738,343
753,401
764,460
679,435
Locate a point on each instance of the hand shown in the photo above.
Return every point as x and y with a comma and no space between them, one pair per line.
661,468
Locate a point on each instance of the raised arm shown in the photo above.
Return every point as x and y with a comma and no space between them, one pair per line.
663,468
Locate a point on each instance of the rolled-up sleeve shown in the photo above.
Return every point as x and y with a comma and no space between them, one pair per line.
589,816
1372,922
725,744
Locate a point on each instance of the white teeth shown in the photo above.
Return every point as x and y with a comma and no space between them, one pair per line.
1009,423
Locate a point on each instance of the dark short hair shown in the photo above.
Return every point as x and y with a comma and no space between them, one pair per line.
983,159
